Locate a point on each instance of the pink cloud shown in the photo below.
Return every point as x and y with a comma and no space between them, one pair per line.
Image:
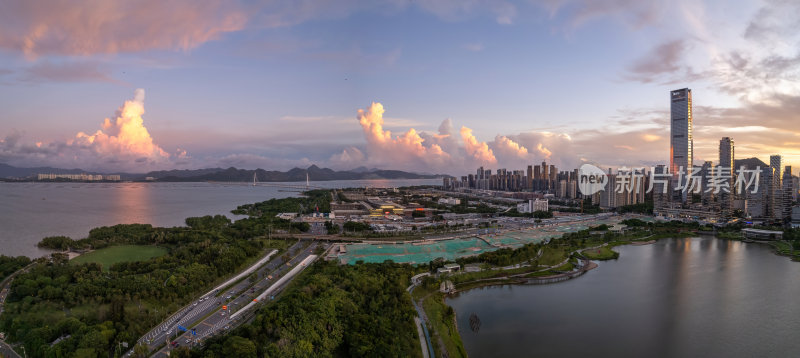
476,149
62,27
409,146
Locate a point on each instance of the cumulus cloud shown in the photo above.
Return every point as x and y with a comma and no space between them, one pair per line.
508,147
122,144
348,158
125,135
407,147
446,138
476,149
544,152
451,151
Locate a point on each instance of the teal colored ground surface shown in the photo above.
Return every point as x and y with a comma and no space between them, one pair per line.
453,249
415,254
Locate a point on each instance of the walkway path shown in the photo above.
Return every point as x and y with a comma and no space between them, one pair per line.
423,318
421,337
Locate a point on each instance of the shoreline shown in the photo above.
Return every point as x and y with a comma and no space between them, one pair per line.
775,245
510,280
520,279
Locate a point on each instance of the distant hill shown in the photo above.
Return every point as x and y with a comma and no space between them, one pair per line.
363,170
749,163
314,172
231,174
182,173
7,171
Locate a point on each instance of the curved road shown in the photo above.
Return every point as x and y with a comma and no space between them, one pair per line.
206,315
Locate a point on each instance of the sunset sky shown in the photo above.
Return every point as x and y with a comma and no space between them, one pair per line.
426,86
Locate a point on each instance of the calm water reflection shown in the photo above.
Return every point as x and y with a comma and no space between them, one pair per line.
699,297
31,211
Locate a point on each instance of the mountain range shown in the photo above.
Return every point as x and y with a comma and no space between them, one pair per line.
314,173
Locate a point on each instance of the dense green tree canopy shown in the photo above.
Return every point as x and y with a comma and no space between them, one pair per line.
332,311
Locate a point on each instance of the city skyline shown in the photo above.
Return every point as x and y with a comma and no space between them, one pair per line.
439,87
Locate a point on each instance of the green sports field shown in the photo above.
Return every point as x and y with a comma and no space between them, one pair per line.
115,254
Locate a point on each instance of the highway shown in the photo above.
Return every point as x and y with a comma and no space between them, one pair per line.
206,315
6,351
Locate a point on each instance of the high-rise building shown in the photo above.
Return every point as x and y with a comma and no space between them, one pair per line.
726,157
660,189
608,196
681,143
787,189
757,203
726,160
775,201
545,178
529,185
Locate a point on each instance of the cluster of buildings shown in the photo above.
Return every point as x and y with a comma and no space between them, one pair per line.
538,178
533,205
749,188
714,192
362,206
389,212
78,177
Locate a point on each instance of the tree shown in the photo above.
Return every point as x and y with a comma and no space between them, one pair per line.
353,226
141,351
331,228
236,346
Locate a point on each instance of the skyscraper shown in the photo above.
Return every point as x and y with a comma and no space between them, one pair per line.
726,160
529,185
786,191
726,157
681,143
775,208
545,178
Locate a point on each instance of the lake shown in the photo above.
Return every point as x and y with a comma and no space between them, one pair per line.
31,211
697,297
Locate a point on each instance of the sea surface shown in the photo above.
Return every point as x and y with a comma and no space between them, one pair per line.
32,211
696,297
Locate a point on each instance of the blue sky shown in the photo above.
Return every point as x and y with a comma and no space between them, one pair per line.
279,84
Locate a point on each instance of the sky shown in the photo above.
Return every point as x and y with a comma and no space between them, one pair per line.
426,86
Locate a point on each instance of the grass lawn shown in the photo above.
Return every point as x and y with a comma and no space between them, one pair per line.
123,253
443,325
552,255
601,253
